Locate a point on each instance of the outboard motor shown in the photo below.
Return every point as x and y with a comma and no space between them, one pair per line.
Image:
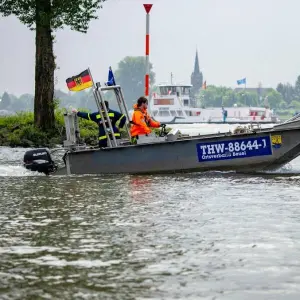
39,160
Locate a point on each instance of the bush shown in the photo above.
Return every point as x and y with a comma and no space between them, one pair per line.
19,131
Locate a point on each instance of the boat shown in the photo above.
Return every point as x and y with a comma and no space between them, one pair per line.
173,105
246,149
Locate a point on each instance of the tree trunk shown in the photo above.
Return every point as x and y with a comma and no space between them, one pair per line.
44,67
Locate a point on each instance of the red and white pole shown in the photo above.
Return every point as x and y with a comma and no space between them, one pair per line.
147,79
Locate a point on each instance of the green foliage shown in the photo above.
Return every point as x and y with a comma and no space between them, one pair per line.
297,89
74,13
130,75
215,96
19,130
295,104
46,16
282,105
287,91
274,99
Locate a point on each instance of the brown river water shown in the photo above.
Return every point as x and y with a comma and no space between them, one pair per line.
210,235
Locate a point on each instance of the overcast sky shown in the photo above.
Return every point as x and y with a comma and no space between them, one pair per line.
257,39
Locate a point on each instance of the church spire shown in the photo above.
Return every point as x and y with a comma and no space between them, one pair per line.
196,77
196,64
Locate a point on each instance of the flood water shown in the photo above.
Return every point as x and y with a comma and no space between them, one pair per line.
210,235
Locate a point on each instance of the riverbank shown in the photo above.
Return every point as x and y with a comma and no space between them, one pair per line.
19,131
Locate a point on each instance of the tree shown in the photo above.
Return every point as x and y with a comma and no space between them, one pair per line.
282,105
275,99
46,16
5,102
287,91
294,104
130,75
297,88
25,102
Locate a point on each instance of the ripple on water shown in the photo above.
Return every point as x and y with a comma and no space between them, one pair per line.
210,235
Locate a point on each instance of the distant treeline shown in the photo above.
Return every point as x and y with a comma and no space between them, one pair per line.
25,102
285,99
285,96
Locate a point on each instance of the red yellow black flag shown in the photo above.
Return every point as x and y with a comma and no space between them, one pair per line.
80,82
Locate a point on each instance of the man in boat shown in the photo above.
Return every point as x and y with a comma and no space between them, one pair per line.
114,117
141,121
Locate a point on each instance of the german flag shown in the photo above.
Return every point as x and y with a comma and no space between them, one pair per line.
80,82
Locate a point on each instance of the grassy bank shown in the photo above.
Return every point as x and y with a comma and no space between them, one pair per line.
18,131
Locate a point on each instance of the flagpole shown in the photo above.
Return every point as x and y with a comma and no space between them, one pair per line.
147,50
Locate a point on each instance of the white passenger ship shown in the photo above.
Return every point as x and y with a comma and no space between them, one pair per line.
173,105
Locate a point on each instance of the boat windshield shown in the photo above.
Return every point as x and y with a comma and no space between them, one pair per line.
173,90
185,90
256,113
167,90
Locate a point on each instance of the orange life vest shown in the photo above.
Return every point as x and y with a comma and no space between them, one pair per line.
141,122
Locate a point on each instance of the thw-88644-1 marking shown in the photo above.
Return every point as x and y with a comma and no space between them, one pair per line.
232,147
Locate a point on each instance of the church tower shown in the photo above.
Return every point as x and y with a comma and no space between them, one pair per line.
196,77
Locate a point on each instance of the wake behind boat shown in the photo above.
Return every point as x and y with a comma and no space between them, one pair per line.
248,151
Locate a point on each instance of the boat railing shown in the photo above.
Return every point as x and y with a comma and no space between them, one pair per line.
289,124
72,141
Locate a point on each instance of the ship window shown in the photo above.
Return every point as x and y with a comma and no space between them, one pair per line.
163,91
173,113
164,113
179,113
188,113
167,90
161,101
186,102
185,90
